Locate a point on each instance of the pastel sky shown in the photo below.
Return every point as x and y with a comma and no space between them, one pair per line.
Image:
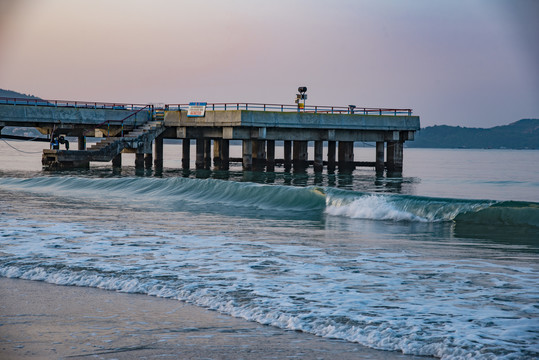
472,63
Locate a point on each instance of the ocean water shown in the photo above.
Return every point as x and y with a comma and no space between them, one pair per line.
441,262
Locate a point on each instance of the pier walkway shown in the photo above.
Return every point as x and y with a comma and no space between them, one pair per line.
141,128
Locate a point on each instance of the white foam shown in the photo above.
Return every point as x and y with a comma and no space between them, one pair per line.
372,207
392,300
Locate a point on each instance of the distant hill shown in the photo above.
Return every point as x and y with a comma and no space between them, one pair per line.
522,134
14,94
18,131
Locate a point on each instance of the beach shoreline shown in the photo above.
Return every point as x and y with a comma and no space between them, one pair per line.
47,321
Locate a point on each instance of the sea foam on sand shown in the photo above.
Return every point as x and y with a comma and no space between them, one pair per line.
44,321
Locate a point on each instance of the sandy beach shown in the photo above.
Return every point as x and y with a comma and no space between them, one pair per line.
45,321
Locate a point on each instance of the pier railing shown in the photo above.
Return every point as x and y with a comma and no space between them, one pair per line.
71,104
317,109
120,122
322,109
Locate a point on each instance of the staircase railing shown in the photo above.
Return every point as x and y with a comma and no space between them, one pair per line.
121,122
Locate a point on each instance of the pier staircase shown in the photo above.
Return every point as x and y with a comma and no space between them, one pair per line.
138,140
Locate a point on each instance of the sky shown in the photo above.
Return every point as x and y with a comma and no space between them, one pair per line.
472,63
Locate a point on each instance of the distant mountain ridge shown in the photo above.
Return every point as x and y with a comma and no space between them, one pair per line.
522,134
14,94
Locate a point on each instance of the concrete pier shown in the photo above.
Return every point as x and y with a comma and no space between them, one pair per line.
186,153
380,157
158,161
287,155
148,160
247,151
394,156
139,161
117,161
259,154
141,129
318,156
270,152
207,153
301,158
346,155
81,143
200,147
332,145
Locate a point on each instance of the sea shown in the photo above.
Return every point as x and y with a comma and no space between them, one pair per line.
442,261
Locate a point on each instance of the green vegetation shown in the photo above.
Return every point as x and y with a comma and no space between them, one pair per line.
522,134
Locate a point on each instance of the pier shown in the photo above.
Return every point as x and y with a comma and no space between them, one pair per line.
141,129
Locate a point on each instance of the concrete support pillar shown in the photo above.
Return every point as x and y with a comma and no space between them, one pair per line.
287,155
207,153
301,155
139,161
380,157
346,155
217,153
259,154
199,161
331,156
270,152
117,161
186,153
82,143
158,162
148,159
318,156
247,151
394,156
221,154
224,153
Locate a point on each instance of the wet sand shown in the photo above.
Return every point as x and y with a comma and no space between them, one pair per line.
45,321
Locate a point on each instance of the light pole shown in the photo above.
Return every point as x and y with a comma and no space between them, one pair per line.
301,96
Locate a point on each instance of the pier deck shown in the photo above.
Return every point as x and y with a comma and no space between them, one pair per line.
142,128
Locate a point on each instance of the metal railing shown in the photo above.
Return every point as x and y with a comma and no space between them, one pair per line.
316,109
120,122
71,104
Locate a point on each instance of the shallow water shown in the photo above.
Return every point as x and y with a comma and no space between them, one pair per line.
440,262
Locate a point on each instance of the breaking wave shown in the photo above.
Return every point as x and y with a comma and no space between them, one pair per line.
278,200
